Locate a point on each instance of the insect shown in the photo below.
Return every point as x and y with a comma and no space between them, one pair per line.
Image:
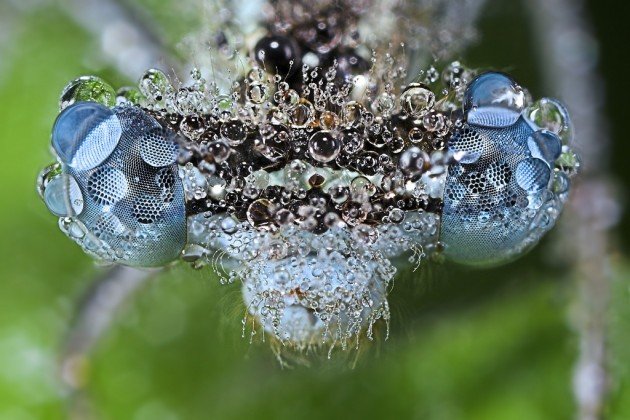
307,181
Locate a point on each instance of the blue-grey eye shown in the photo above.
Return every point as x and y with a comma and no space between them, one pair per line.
118,184
495,195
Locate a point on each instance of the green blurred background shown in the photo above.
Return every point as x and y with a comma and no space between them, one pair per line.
491,344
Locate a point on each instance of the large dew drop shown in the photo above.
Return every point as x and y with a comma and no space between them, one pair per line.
551,115
63,196
87,88
493,99
545,145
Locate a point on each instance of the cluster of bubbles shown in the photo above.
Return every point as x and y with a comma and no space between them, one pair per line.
319,166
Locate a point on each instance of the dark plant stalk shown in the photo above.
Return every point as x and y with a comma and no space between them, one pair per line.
569,58
128,38
93,318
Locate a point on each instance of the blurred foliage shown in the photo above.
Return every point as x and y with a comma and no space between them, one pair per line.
463,344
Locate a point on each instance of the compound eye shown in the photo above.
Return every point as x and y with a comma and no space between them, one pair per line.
117,184
498,199
85,134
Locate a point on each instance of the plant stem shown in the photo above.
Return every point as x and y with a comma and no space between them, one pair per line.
569,58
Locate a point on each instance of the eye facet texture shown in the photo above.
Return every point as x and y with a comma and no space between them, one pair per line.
498,199
123,164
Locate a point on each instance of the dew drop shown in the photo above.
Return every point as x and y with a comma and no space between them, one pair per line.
234,132
303,114
87,89
324,146
260,213
544,145
416,100
414,161
63,196
155,86
550,114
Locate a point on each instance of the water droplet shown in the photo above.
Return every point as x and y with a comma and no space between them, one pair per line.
234,131
128,95
286,99
224,102
303,114
561,183
192,127
383,104
155,86
87,88
532,174
189,101
432,75
396,215
85,134
278,54
455,75
257,93
63,196
569,162
328,120
219,151
339,194
352,141
493,99
544,145
229,225
260,213
414,161
45,176
550,114
193,252
256,74
433,121
324,146
362,189
284,217
353,113
417,99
